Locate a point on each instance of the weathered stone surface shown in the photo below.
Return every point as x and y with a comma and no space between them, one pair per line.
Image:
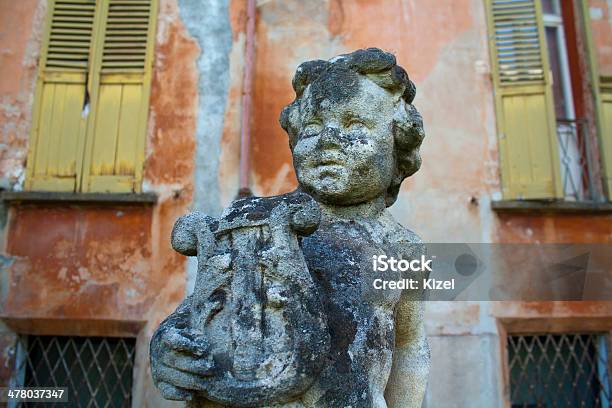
284,313
255,325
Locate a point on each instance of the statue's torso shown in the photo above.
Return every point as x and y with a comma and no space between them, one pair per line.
360,318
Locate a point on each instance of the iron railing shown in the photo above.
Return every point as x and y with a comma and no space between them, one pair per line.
97,370
559,370
576,161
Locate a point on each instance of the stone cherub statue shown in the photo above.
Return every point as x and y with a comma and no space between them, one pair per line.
284,313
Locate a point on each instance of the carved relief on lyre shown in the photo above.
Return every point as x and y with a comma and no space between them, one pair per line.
255,305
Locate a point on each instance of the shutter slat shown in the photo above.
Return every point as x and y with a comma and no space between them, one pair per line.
503,36
518,24
119,14
122,64
69,51
141,3
70,18
57,45
72,38
510,60
130,57
77,7
72,13
127,52
77,33
138,19
73,25
121,44
122,25
67,65
136,31
511,6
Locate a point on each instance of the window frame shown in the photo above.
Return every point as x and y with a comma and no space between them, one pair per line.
520,318
556,21
595,160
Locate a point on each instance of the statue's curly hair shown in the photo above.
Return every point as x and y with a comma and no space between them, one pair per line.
382,69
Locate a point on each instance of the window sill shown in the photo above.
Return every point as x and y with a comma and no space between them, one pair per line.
517,206
51,326
68,197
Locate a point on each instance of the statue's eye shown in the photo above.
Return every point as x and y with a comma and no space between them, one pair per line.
312,129
356,126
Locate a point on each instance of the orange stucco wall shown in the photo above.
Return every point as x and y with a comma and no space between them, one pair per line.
20,39
601,23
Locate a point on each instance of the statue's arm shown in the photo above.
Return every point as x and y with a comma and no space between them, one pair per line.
408,379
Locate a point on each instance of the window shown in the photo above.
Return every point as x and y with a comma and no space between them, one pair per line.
559,370
96,370
572,136
91,102
543,131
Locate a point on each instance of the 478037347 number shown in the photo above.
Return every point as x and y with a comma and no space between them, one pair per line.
34,394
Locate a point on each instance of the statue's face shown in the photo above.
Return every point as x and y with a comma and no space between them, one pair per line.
344,150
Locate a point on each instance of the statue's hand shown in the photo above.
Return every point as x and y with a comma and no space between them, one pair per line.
180,363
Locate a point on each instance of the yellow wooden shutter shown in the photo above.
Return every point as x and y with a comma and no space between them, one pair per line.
114,152
58,126
605,137
526,125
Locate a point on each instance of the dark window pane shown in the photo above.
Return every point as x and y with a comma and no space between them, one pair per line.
548,7
558,370
552,45
96,370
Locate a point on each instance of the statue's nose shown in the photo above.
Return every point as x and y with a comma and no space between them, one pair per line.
329,137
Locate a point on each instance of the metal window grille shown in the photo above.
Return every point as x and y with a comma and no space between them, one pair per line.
575,159
96,370
559,370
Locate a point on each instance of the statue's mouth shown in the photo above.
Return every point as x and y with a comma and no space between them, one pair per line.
325,163
332,170
329,158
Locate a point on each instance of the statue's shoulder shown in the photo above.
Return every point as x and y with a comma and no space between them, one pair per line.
399,233
410,236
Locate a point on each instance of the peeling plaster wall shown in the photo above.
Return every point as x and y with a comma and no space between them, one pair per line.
20,38
208,23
